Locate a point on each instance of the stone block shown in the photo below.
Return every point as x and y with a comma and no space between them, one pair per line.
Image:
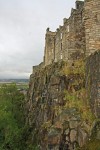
73,136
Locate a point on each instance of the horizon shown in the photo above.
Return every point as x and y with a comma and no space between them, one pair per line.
14,78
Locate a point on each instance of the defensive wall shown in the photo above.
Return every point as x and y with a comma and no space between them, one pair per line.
79,35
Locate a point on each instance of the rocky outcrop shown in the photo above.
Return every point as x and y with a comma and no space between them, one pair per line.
60,104
93,82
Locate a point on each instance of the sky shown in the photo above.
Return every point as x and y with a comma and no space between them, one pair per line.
23,25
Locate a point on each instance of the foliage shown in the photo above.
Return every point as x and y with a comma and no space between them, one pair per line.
14,134
77,67
11,117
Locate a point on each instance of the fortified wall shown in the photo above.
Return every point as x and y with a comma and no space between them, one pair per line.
68,38
63,108
92,25
79,35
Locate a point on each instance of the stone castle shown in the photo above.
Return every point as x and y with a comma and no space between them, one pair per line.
79,35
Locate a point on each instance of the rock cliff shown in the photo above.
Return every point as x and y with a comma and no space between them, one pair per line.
63,105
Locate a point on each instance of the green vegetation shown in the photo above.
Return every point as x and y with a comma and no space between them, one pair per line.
19,85
79,100
11,116
78,67
76,95
13,132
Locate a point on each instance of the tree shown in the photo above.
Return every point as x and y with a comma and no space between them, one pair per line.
12,118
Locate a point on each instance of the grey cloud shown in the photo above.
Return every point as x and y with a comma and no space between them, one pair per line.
22,32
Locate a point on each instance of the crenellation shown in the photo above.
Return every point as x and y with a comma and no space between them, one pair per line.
79,34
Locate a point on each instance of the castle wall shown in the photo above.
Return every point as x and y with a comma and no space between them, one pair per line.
71,36
49,47
80,44
92,25
58,44
79,35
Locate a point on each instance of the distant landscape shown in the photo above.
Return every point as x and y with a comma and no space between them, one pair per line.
21,84
13,80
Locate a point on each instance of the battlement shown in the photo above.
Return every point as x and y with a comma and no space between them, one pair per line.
79,35
48,32
67,39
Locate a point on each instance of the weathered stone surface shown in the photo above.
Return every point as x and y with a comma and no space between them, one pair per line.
92,26
67,131
73,136
58,104
82,137
79,35
67,138
98,135
68,41
54,140
59,120
95,132
73,124
93,82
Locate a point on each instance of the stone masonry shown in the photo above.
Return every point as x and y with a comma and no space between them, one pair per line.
79,35
49,47
92,25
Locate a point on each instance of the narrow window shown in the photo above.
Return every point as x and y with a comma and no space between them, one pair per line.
61,56
81,17
61,46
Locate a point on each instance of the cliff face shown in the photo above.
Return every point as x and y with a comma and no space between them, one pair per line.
93,82
63,104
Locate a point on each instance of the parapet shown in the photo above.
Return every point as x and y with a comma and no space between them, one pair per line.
48,32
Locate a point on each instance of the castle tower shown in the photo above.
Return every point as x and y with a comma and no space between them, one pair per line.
92,25
49,47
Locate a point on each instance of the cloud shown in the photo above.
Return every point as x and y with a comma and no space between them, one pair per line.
22,32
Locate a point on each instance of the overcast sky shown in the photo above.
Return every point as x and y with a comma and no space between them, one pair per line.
22,32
